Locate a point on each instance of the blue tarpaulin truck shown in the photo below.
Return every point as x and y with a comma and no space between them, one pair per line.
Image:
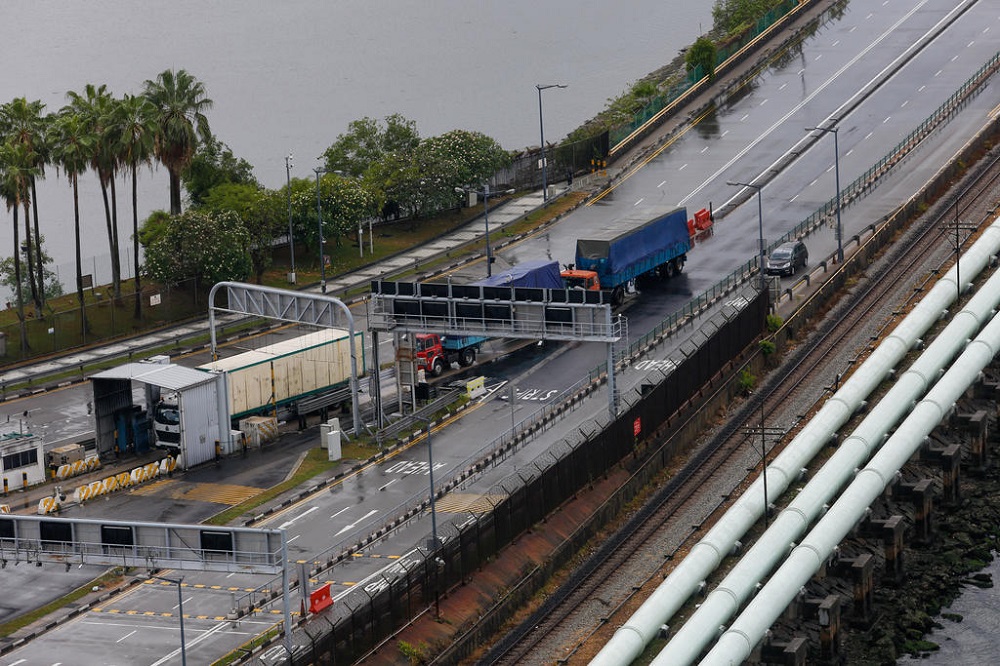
650,242
435,353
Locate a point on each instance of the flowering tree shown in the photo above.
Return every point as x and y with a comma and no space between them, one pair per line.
368,143
200,247
263,213
454,159
346,203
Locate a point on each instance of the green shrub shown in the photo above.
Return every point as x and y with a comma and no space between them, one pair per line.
773,323
414,654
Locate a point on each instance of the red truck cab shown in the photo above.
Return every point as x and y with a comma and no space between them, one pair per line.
429,353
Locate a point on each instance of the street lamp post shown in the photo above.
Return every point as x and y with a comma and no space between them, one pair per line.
291,238
319,217
485,193
180,611
836,168
541,131
760,227
434,543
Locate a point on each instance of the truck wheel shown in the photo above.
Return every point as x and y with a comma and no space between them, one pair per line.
437,367
617,296
467,357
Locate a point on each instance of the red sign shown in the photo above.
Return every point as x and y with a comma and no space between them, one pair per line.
320,599
637,426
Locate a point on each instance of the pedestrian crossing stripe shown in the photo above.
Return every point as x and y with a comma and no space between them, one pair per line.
219,493
467,503
152,488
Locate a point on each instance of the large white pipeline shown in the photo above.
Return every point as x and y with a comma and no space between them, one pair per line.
737,643
631,638
705,625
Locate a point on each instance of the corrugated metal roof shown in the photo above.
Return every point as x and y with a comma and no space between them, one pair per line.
173,377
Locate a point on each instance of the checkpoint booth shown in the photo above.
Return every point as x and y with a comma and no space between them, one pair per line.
22,458
121,425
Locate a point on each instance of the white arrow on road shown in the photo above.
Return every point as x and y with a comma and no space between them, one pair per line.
304,513
351,526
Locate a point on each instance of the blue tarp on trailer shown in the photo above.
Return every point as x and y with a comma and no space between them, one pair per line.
541,274
634,244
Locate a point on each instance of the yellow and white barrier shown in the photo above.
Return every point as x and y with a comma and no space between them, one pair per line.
78,467
47,505
4,508
123,480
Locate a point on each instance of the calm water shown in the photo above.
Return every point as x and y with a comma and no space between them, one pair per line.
972,641
288,77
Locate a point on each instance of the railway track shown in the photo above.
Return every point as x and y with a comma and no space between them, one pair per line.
542,638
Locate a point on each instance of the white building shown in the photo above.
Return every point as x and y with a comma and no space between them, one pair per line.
22,458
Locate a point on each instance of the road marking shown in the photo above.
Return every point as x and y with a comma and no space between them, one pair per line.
126,635
829,81
638,202
304,513
352,525
191,643
340,512
294,538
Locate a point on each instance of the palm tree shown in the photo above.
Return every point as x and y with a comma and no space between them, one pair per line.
17,166
180,102
132,129
22,122
72,148
94,107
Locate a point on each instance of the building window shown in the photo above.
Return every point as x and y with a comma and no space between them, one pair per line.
21,459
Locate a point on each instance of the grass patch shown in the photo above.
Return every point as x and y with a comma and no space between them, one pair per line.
18,623
314,464
247,647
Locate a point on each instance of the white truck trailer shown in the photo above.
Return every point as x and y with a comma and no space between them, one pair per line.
277,378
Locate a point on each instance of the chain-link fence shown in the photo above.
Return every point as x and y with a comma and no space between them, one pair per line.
66,327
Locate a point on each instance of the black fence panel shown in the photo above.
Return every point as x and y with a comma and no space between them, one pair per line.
528,498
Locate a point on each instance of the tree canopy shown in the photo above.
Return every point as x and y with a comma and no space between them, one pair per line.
702,54
214,164
200,247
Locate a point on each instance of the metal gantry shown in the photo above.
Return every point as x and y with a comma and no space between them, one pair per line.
287,305
499,312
